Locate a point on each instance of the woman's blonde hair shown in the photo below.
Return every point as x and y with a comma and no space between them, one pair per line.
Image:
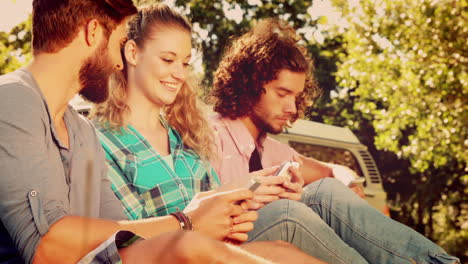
185,114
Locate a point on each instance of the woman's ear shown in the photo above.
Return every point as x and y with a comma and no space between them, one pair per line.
130,52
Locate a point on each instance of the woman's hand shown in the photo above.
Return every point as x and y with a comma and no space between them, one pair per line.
242,224
269,190
219,216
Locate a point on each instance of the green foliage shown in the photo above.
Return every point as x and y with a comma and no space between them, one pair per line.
215,25
405,68
15,47
414,86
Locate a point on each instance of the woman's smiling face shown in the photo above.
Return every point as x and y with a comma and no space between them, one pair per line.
162,65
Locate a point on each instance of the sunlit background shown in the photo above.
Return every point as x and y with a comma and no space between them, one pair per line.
13,12
393,71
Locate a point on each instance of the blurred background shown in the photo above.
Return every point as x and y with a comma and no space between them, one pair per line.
393,71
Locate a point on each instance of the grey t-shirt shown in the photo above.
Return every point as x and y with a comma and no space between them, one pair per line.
41,180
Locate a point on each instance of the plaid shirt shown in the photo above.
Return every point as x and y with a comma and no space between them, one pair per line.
144,182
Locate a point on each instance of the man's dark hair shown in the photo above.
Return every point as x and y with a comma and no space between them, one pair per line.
56,22
255,59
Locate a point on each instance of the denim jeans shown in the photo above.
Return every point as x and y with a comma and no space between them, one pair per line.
337,226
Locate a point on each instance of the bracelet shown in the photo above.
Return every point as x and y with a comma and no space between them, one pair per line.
185,222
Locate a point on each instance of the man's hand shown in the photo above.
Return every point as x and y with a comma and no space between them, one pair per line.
277,187
218,216
294,184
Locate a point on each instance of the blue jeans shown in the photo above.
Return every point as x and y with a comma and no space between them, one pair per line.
337,226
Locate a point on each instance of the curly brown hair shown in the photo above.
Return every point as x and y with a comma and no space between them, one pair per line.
255,59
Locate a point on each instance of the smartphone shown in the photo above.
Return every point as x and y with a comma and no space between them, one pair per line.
284,168
252,185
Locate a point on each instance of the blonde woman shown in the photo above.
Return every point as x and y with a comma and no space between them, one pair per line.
158,143
152,171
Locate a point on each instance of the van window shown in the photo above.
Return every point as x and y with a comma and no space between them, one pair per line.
328,154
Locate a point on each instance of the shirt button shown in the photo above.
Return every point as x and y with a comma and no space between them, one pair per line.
181,185
33,193
132,165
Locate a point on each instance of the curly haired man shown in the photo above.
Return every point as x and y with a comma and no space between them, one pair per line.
265,81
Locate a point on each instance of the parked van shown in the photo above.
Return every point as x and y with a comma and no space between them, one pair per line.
337,145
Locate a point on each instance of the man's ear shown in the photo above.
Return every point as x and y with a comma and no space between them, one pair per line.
93,32
131,52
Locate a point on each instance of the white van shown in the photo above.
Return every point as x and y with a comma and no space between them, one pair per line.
340,146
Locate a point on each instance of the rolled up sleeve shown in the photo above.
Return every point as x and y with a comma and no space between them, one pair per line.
32,187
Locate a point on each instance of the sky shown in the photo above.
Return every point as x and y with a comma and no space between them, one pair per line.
13,12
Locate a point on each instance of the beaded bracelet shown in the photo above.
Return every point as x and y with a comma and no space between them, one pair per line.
185,222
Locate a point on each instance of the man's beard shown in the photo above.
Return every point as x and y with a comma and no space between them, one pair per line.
262,124
94,75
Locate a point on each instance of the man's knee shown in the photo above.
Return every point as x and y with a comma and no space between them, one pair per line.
287,212
326,185
283,210
325,189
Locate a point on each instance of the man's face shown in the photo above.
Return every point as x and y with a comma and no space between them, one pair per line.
95,71
277,104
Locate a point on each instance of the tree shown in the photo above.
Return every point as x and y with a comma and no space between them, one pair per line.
217,22
405,70
15,47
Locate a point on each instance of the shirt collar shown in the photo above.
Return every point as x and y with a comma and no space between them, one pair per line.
67,115
242,138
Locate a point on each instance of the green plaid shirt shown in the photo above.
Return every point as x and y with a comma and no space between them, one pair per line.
144,182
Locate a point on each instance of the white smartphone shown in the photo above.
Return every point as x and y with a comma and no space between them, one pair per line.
284,168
